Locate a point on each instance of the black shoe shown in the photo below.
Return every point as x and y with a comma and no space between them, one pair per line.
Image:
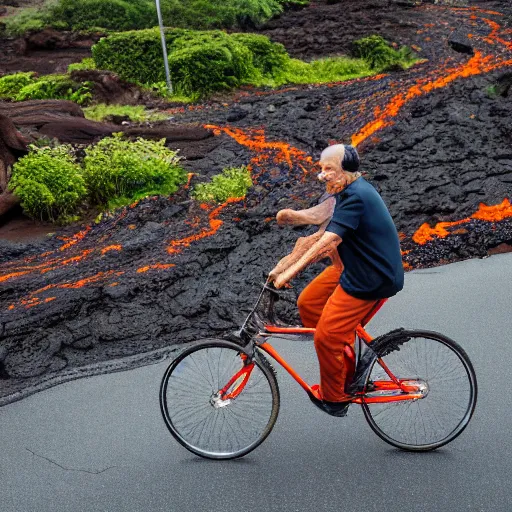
338,409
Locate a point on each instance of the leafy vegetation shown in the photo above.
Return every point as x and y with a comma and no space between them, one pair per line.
116,169
380,55
335,69
86,63
49,183
59,87
232,182
211,14
109,14
141,14
203,62
26,20
27,86
268,57
135,113
11,85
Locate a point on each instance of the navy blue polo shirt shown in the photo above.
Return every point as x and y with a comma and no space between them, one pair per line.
370,249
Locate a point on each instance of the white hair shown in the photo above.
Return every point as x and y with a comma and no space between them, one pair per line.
335,153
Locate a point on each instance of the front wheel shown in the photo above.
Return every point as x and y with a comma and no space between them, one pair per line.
218,401
450,391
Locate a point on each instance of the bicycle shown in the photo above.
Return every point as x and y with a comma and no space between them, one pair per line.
220,399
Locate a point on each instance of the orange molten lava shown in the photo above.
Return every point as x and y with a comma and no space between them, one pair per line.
495,213
74,239
176,246
158,266
111,248
32,300
476,65
256,142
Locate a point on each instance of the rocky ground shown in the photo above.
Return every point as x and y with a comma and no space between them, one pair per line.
435,141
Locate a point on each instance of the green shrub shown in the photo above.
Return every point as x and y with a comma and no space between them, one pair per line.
333,69
49,183
161,90
117,168
380,55
136,113
200,62
84,64
211,14
11,85
232,182
268,57
207,67
109,14
59,87
136,55
26,20
141,14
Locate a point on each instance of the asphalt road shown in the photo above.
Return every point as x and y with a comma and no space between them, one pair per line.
99,444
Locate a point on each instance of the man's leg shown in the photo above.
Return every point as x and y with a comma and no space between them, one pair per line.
312,300
336,330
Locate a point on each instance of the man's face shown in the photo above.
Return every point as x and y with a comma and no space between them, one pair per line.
330,171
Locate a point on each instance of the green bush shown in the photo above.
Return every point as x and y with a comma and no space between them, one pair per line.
231,183
136,55
49,183
108,14
206,67
56,87
141,14
136,113
11,85
201,62
268,57
26,20
117,168
380,55
333,69
87,63
211,14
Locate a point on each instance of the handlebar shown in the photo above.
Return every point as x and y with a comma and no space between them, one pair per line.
261,314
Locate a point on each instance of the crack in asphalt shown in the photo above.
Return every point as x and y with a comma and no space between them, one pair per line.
69,469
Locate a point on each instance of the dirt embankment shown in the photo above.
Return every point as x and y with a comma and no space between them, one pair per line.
435,141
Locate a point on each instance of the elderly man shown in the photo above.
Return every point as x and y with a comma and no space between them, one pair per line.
358,234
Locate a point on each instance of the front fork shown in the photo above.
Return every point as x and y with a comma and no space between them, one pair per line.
237,382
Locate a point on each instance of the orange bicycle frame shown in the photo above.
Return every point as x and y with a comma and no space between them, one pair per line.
394,384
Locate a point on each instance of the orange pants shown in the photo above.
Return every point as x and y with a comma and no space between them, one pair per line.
335,314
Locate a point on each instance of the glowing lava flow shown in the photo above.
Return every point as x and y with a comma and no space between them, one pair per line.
495,213
32,299
477,65
176,246
255,141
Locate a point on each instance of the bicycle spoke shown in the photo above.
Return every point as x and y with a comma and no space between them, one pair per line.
203,421
444,410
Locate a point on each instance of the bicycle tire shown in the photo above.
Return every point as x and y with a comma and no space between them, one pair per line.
395,350
262,377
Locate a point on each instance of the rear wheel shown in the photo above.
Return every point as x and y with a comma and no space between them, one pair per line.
450,395
211,425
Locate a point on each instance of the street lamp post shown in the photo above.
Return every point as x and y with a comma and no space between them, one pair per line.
164,47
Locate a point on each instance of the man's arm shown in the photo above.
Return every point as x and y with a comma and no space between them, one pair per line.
317,215
320,249
302,245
